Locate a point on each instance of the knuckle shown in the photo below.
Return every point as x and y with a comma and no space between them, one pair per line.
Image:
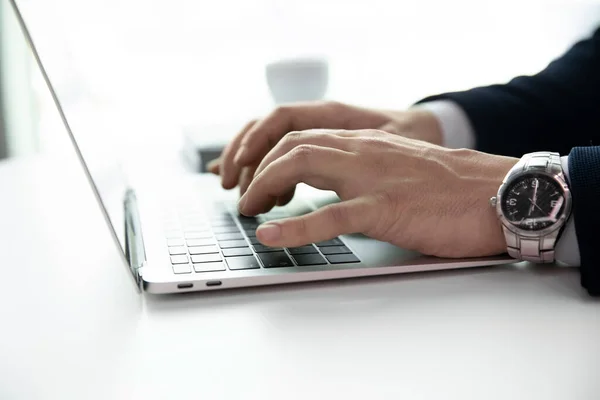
387,198
303,153
373,142
338,216
282,111
292,138
334,105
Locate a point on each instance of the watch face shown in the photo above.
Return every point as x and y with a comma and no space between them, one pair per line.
533,202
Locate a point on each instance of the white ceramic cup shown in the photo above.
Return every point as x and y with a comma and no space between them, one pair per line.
299,79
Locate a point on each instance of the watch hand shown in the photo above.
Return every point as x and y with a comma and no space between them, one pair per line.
535,205
534,201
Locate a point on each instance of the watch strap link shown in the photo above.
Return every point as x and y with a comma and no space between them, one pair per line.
540,249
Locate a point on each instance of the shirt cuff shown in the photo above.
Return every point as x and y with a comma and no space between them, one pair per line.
567,248
457,132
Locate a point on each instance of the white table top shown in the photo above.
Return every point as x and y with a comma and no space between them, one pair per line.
74,327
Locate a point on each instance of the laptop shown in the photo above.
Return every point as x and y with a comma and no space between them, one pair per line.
186,235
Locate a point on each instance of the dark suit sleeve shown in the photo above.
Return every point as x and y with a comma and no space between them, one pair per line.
584,174
556,109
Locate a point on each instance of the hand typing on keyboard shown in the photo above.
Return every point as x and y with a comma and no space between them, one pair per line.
408,192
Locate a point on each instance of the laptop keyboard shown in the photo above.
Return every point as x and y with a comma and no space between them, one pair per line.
207,241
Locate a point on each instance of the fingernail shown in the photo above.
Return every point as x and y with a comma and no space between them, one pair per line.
269,232
210,166
241,203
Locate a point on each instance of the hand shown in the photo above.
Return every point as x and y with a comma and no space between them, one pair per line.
407,192
239,160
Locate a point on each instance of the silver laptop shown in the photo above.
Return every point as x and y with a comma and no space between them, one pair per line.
183,234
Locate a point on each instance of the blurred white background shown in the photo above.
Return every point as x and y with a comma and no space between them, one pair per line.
155,66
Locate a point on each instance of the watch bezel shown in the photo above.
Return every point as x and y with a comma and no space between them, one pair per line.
560,222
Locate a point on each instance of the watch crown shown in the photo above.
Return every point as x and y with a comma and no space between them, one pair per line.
493,201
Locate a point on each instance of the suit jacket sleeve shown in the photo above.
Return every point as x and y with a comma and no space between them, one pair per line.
557,109
584,174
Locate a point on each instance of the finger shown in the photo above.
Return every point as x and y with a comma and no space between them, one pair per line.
325,223
320,167
315,137
230,171
246,177
213,166
267,133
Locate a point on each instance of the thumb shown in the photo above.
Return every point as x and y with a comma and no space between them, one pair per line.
350,216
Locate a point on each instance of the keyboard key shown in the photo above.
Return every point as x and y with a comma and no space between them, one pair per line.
253,240
342,258
243,262
200,242
309,259
198,235
332,242
259,248
335,250
175,242
209,267
230,244
174,250
310,249
250,225
203,249
179,259
226,229
236,252
229,236
250,232
275,259
202,258
182,268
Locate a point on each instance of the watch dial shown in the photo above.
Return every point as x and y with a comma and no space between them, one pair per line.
533,202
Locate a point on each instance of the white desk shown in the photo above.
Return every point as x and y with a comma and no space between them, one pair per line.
72,325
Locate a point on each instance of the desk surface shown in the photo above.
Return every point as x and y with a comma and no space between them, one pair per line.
74,327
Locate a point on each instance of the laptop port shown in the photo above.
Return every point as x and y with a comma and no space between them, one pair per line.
213,283
185,285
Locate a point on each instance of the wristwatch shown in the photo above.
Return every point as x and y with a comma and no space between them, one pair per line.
533,204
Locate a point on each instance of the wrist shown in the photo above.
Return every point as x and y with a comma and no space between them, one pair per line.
481,176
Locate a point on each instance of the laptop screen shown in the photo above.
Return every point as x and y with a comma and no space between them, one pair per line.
91,128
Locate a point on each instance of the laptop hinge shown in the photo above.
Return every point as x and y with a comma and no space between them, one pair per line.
134,242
